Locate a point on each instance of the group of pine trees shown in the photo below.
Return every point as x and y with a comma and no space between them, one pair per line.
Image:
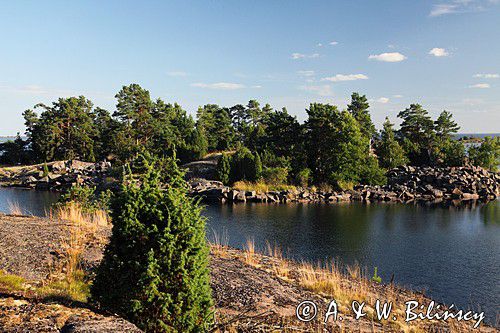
331,146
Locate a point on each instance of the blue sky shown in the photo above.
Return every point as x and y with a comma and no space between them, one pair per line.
443,54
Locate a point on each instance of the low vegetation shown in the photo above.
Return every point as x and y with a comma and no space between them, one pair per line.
261,187
11,283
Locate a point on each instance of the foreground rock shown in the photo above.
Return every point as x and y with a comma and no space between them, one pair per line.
405,184
24,315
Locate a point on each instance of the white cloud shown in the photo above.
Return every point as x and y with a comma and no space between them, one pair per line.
177,73
323,90
333,43
443,9
397,96
461,6
257,87
305,73
303,56
388,57
348,77
320,44
439,52
383,100
219,85
480,86
487,76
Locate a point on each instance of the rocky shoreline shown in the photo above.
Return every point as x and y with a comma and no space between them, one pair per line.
55,176
406,184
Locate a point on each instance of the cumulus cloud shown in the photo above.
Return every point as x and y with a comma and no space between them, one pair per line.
486,76
219,85
438,52
322,90
388,57
333,43
383,100
305,73
177,73
304,56
397,96
480,86
343,77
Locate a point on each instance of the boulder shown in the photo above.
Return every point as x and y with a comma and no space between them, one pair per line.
456,193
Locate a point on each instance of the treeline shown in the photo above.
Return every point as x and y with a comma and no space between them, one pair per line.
332,146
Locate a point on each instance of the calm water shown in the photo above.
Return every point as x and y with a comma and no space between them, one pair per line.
30,202
451,253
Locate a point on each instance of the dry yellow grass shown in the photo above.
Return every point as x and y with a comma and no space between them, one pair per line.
73,212
15,208
261,187
345,284
219,244
249,253
281,267
83,225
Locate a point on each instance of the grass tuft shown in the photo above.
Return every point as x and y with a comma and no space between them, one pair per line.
219,244
261,187
15,208
11,282
249,254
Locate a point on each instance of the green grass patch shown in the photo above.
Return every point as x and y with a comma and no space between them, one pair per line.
76,288
10,282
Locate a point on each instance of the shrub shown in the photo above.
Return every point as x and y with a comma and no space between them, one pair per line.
303,177
154,271
243,166
275,175
87,198
453,153
224,168
487,154
372,173
45,170
257,166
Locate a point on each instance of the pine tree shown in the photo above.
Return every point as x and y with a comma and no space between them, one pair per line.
359,109
417,131
445,126
390,153
154,270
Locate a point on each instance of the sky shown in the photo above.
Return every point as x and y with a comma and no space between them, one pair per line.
443,54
